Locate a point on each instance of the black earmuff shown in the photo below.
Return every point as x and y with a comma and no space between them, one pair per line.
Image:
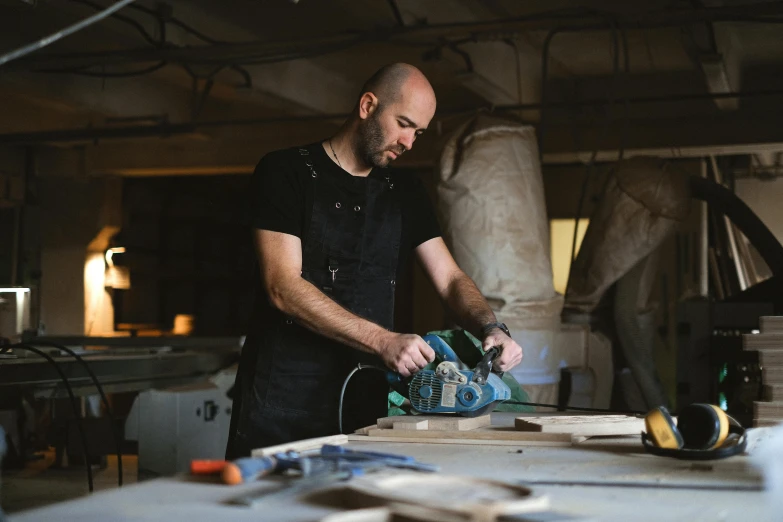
700,433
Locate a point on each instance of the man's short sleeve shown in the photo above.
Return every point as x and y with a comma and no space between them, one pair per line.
425,224
276,196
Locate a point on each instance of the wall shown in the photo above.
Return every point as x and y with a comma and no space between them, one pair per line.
72,213
764,197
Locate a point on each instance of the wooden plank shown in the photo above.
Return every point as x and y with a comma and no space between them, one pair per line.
768,410
582,425
771,324
773,375
401,438
417,425
762,341
363,431
769,358
760,423
300,445
494,433
438,422
773,392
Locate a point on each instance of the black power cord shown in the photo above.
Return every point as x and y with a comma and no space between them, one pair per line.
79,425
359,367
576,408
104,399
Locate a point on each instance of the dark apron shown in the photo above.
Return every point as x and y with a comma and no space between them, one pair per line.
289,378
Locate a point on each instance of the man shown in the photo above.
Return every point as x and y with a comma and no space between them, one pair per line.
333,231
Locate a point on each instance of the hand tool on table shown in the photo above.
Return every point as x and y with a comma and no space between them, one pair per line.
450,388
329,459
207,467
331,464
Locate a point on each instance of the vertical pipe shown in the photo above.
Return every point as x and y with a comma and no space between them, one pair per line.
704,243
15,245
743,282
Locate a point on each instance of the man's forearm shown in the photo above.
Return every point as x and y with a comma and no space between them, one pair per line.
466,303
313,309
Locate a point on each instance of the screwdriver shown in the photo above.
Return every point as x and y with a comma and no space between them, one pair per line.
248,469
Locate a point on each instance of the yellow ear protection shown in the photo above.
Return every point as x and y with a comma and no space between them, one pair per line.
701,433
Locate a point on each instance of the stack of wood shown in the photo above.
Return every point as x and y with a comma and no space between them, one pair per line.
527,431
769,345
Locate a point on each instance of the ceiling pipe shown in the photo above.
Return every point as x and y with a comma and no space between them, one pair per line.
165,129
265,51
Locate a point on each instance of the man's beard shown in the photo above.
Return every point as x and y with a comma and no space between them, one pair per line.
371,145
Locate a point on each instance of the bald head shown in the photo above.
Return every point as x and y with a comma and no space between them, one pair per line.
395,107
390,81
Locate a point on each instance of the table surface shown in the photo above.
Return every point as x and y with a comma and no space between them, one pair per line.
606,479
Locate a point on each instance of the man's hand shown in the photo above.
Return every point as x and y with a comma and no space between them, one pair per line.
510,351
406,354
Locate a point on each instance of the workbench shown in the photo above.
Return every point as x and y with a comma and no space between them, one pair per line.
605,478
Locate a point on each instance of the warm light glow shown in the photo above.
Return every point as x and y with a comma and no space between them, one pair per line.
110,252
94,270
562,236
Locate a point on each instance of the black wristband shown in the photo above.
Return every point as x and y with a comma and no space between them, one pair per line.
491,326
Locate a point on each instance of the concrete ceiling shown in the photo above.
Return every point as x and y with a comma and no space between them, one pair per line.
234,79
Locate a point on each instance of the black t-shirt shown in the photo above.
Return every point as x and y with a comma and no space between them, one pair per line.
281,203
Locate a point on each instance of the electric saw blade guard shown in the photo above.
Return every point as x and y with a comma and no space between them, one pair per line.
450,388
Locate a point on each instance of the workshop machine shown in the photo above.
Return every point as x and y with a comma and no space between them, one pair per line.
451,387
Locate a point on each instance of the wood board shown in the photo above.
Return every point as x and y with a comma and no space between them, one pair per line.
490,434
772,375
433,422
582,425
762,423
773,392
771,324
402,439
768,410
769,358
762,341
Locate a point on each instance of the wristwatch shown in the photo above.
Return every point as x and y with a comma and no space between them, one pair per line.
491,326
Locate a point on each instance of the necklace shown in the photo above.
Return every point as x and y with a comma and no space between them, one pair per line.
335,154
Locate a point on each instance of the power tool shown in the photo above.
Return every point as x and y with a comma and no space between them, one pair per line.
450,388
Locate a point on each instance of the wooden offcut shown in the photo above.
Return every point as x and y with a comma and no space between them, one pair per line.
771,324
482,434
434,422
762,341
582,425
772,375
768,410
770,358
773,392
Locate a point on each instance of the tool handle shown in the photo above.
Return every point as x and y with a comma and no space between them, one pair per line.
496,353
207,467
442,350
248,469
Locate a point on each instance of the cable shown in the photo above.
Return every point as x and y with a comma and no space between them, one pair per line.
124,74
576,408
128,20
79,425
359,366
104,399
43,42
